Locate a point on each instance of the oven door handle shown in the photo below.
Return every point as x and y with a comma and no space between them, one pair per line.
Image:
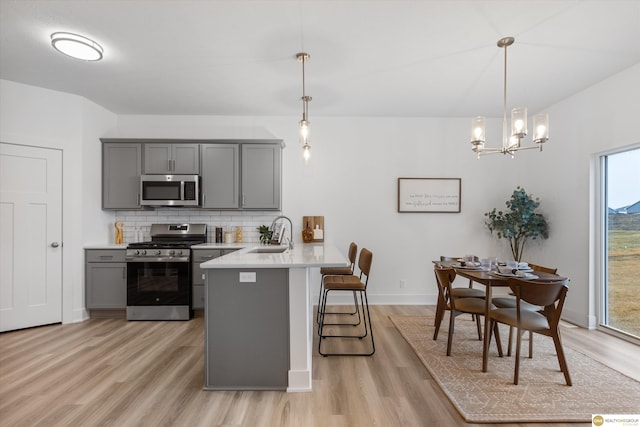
162,259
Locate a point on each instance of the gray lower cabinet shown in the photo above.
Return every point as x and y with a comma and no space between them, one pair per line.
197,274
121,169
247,329
105,279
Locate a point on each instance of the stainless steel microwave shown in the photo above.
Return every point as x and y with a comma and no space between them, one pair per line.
170,190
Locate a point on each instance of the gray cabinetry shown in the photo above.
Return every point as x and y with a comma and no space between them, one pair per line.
247,329
121,168
197,274
220,176
261,171
105,279
165,158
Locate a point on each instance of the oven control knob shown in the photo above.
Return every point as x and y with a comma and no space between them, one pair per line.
137,252
172,252
158,253
144,252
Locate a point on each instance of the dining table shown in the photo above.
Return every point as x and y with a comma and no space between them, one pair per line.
491,279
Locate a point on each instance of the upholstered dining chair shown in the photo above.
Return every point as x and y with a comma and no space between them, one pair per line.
339,271
457,306
355,284
550,296
510,302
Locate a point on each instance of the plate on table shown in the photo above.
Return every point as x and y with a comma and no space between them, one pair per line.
467,266
524,275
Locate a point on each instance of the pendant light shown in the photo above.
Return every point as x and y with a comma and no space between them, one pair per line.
305,137
518,123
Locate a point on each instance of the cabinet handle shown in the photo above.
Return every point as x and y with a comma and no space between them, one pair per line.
106,257
169,165
244,198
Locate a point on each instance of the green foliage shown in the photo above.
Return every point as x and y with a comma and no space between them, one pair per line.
265,234
519,223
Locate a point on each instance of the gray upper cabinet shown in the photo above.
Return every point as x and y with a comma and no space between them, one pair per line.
261,174
121,168
165,158
234,175
220,179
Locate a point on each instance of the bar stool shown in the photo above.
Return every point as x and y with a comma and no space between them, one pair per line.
339,271
357,285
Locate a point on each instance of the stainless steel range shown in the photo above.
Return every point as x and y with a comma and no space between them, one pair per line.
159,273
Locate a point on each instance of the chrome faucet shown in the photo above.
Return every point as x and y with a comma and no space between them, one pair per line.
290,228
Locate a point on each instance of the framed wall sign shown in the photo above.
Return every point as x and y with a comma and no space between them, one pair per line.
429,194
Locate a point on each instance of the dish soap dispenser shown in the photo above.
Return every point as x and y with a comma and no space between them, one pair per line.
318,233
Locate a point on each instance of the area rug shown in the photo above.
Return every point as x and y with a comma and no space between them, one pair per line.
542,394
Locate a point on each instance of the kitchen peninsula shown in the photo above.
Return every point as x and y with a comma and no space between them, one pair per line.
258,316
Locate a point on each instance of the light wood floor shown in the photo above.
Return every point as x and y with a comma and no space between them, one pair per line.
110,372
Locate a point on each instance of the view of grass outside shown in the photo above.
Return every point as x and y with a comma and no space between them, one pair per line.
623,293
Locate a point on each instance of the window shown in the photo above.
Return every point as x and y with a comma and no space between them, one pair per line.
620,208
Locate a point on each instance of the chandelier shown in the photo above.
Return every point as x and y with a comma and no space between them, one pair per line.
510,144
304,123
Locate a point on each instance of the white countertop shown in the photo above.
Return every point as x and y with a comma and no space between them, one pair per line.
302,255
105,246
233,246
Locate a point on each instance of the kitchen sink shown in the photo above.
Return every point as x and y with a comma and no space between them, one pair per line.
268,250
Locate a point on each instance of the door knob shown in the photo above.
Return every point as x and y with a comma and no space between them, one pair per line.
54,245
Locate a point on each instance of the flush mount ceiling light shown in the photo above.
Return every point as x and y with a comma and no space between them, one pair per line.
304,123
518,123
76,46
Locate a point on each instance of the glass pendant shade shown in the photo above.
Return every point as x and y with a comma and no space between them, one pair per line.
519,122
478,128
305,133
540,128
306,153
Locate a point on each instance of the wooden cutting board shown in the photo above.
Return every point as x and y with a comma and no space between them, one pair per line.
311,222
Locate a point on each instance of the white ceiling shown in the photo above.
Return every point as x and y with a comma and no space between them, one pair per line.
368,58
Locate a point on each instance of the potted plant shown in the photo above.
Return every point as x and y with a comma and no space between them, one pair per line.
519,223
265,234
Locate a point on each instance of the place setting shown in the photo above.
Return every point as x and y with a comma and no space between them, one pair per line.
514,269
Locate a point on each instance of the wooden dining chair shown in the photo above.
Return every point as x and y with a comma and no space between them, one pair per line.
349,283
510,302
550,296
457,306
459,292
340,271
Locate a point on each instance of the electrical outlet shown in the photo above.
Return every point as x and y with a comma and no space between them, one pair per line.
402,283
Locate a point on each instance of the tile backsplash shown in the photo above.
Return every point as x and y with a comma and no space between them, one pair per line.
137,223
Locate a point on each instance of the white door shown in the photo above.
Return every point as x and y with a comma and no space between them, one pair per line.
30,236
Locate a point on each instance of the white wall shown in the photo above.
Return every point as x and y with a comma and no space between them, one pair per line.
45,118
352,179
